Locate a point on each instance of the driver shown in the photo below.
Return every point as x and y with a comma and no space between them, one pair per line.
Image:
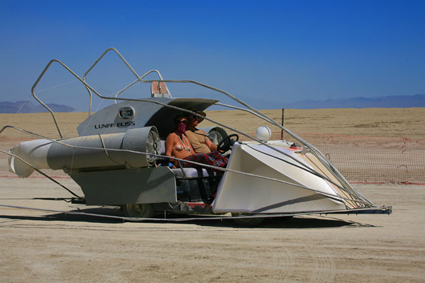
199,139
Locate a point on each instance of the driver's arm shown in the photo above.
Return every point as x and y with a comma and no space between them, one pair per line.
212,146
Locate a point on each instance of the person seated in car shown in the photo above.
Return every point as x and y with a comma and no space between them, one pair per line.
199,139
179,146
177,143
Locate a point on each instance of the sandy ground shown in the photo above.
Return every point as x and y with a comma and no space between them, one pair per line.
38,246
42,246
372,122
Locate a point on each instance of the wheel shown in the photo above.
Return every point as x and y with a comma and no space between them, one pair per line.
247,222
227,142
141,210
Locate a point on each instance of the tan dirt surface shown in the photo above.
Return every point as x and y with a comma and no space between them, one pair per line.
48,246
372,122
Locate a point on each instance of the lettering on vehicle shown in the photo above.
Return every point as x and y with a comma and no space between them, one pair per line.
113,125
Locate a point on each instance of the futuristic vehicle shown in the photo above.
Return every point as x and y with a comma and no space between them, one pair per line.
118,159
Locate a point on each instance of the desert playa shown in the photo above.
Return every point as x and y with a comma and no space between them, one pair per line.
49,246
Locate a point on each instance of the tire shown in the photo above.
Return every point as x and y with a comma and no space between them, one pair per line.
141,210
247,222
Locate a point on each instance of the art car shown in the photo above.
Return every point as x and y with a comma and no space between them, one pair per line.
118,159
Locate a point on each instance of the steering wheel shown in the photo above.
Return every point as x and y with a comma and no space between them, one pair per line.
227,142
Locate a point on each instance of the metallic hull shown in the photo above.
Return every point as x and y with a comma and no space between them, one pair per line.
272,184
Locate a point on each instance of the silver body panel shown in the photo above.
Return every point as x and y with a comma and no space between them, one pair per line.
117,187
299,190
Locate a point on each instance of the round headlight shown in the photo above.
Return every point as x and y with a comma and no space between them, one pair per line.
263,133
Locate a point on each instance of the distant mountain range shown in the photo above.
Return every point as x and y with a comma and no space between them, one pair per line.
400,101
28,107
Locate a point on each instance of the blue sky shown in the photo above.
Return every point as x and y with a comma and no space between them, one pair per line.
266,53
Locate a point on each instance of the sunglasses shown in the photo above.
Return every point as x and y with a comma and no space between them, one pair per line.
182,122
194,117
